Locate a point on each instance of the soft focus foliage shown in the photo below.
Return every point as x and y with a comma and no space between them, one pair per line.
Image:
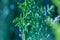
35,21
57,4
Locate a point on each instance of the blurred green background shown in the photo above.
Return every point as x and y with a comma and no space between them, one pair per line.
9,10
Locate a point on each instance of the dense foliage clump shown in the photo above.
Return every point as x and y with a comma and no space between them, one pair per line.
34,22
